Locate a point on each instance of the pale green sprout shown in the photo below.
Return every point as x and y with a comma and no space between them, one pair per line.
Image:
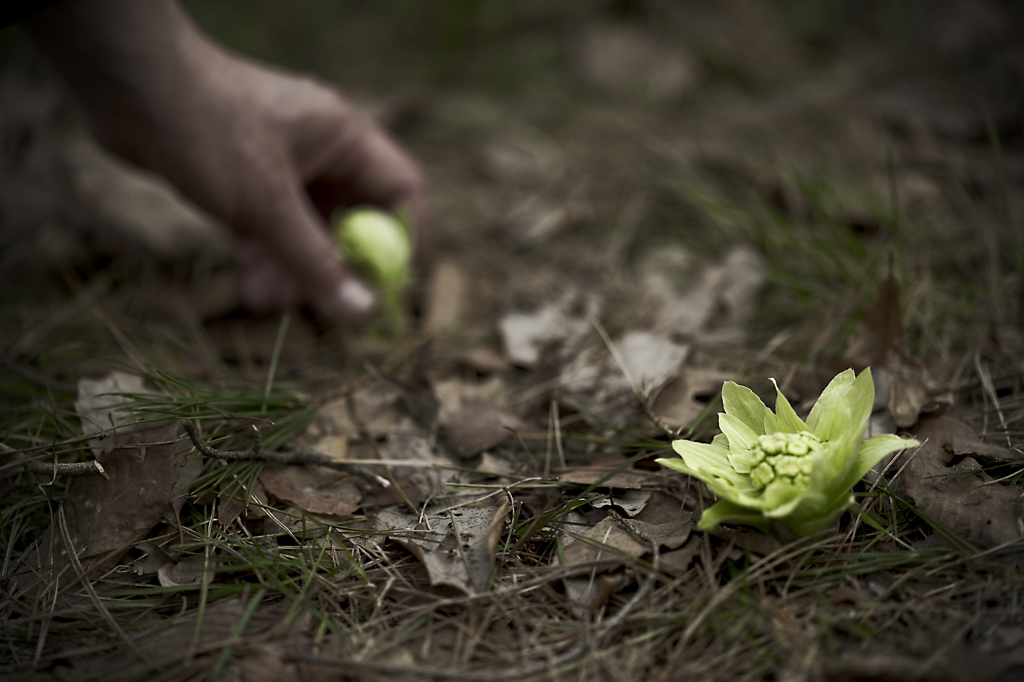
377,244
772,467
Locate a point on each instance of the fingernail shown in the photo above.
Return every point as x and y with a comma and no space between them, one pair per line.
356,297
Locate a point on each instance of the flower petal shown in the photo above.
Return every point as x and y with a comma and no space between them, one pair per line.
725,511
828,417
739,434
743,404
788,421
870,453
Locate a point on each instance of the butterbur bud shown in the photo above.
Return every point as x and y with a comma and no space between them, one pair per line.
376,243
773,467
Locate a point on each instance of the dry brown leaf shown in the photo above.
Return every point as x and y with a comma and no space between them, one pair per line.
678,561
100,408
562,322
188,571
445,298
679,403
456,546
587,476
603,548
632,502
475,429
316,489
104,514
880,343
958,495
716,306
377,410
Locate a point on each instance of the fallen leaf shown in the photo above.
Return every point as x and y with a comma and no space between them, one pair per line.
651,359
595,378
234,499
602,548
683,400
719,304
445,298
377,411
100,408
562,322
959,495
587,476
188,571
316,489
456,546
104,514
475,429
632,501
879,342
678,561
494,465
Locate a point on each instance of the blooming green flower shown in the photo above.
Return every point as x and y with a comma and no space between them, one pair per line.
773,467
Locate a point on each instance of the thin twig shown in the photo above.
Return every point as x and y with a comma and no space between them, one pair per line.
54,469
290,454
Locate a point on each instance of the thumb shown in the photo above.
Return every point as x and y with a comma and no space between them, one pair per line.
300,255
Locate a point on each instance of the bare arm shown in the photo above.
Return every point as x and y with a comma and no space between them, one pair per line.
267,152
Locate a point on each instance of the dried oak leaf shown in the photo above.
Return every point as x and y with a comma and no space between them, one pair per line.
958,494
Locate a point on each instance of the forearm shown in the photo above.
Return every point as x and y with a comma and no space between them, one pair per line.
124,60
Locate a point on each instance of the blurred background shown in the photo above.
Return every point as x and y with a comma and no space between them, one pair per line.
609,146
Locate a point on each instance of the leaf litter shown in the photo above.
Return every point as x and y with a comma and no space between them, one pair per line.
495,512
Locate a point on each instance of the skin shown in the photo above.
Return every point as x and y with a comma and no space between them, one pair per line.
269,153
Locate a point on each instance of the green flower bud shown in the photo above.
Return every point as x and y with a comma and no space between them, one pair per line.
773,467
783,454
376,243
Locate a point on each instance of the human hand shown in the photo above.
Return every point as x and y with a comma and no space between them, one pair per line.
269,153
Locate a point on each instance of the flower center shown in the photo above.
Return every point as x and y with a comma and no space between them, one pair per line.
784,455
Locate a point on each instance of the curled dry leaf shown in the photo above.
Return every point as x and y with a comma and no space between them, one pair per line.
456,546
944,480
718,304
188,571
